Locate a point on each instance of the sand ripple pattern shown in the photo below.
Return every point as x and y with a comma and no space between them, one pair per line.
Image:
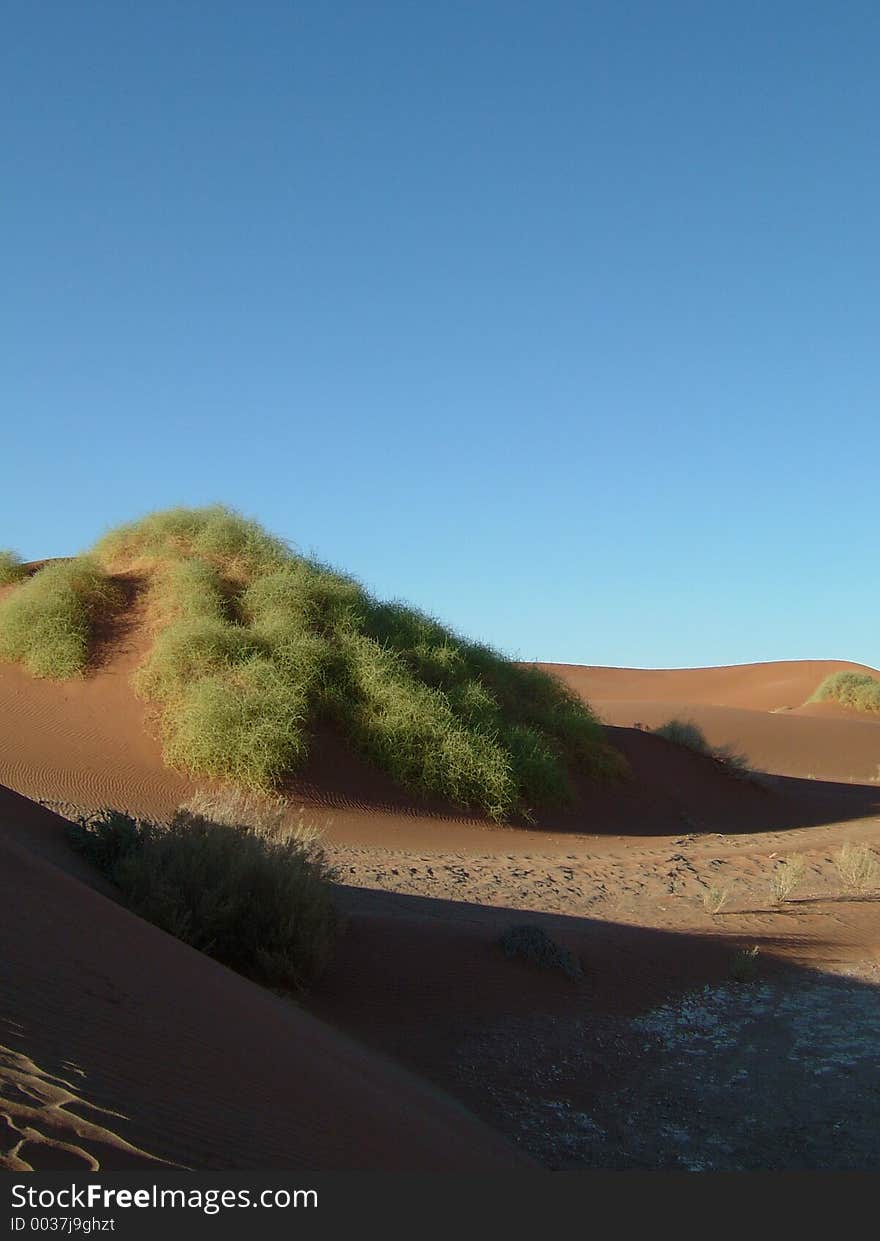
87,743
38,1127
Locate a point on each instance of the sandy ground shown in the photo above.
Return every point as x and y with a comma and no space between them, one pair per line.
655,1058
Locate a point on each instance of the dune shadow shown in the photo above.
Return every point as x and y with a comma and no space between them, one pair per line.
671,790
658,1057
114,627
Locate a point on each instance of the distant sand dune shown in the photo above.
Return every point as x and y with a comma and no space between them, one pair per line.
775,686
760,710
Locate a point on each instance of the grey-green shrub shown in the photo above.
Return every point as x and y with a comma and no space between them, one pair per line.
257,901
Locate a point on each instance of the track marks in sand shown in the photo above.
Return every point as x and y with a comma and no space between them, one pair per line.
40,1125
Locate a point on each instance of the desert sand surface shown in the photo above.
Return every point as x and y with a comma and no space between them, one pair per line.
774,686
656,1057
761,710
122,1048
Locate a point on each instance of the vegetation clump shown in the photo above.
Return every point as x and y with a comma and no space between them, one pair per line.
254,645
11,567
47,622
787,876
857,690
257,899
858,867
744,966
687,733
531,943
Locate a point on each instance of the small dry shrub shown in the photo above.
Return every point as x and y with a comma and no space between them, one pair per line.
858,867
787,876
715,898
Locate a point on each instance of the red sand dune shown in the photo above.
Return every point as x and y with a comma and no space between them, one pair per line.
782,685
122,1047
193,1065
90,742
761,710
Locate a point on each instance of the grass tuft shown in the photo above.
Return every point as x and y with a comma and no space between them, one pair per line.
745,964
215,533
47,623
245,724
787,876
858,867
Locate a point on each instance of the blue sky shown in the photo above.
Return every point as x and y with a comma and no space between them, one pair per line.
560,320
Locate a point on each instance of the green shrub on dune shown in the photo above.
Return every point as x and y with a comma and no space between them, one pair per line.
215,533
857,690
253,645
46,623
247,724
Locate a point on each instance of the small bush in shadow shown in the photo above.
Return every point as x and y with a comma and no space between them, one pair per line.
532,943
257,900
744,967
690,735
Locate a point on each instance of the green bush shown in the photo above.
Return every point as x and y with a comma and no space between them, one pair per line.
258,901
246,724
410,729
189,650
47,623
851,689
11,567
216,533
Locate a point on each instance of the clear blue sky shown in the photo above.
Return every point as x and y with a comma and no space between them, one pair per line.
560,320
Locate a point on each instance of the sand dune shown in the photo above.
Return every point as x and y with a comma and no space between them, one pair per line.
122,1047
776,686
761,710
88,743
